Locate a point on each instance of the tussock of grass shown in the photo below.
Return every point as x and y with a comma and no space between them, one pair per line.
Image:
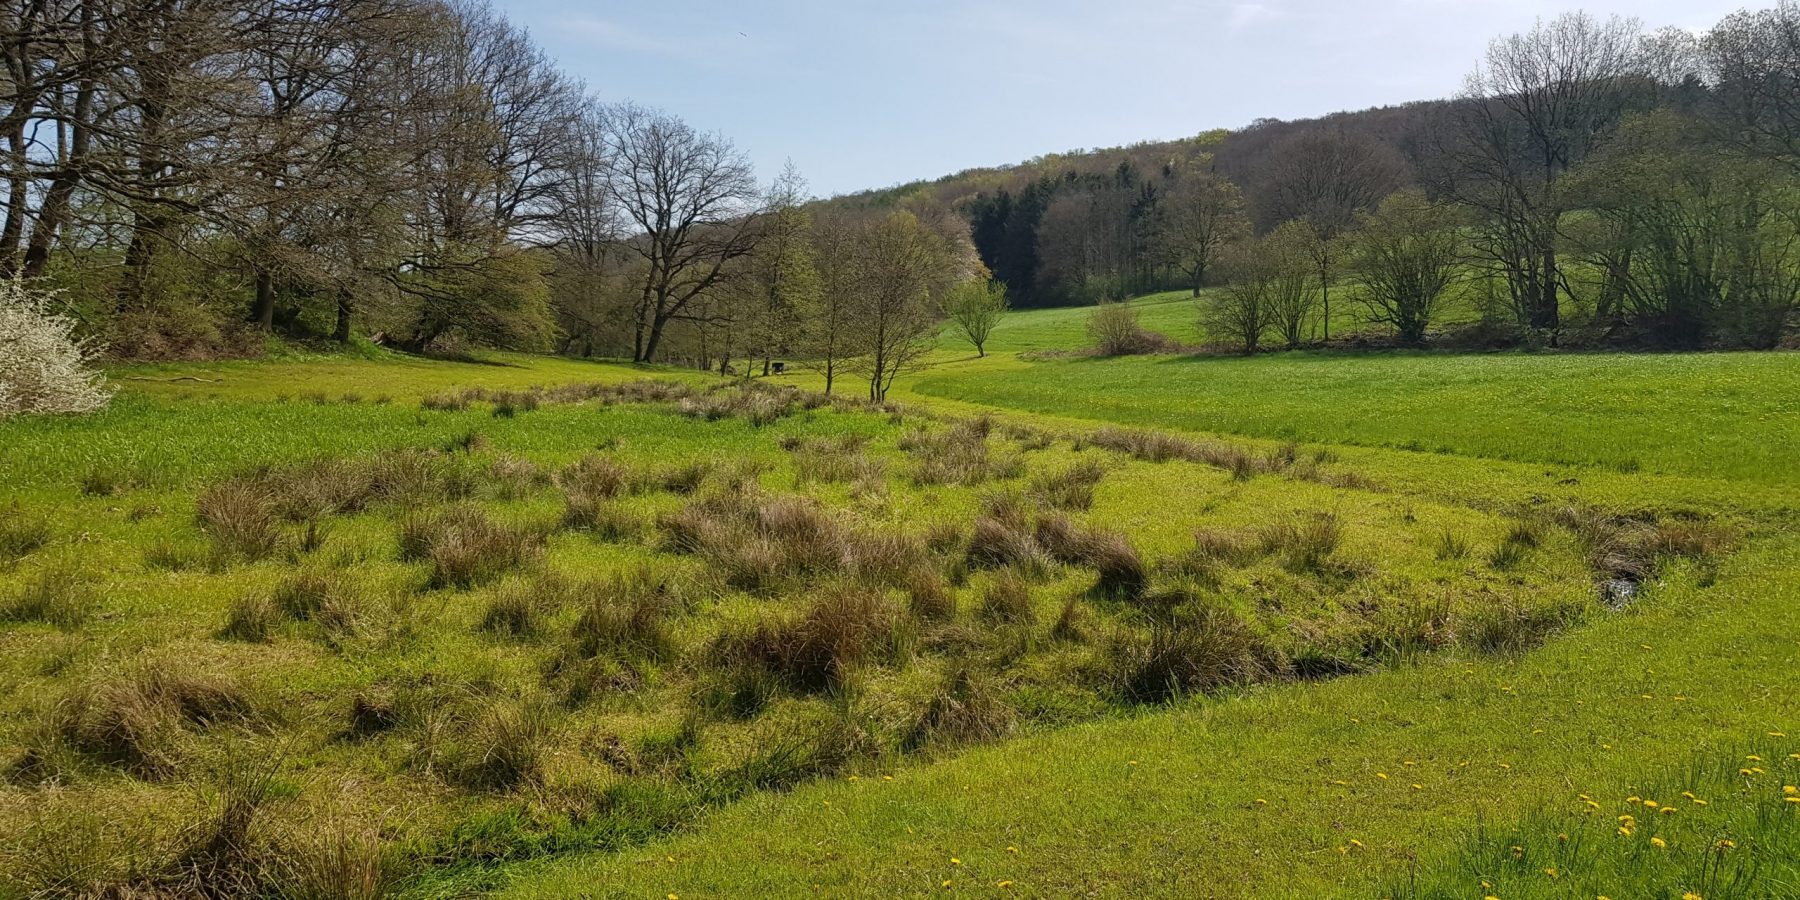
1007,600
241,520
1200,648
1071,488
61,596
465,546
966,708
21,533
819,648
138,721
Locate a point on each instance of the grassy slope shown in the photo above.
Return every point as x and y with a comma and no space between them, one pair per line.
1167,803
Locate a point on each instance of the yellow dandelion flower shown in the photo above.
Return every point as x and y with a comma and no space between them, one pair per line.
1003,884
887,778
1550,872
1562,836
1698,802
1690,895
1777,734
1634,799
1418,787
1625,830
1754,758
1261,802
1592,805
1651,804
1658,843
946,883
1726,844
1505,766
1792,799
1012,849
1667,810
955,862
1381,775
674,897
1517,851
1790,790
1745,772
1628,818
1355,843
1688,794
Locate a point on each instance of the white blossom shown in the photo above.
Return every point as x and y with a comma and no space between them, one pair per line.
44,367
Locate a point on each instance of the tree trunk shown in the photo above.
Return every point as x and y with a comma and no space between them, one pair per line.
14,227
346,309
262,314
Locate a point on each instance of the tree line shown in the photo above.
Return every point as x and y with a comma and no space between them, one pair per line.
1636,184
194,174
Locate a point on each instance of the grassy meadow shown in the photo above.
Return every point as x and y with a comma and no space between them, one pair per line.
1398,625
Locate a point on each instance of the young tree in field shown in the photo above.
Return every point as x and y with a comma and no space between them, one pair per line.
903,269
1538,106
1284,262
693,201
1406,255
1201,215
1325,178
827,338
1245,309
975,306
782,276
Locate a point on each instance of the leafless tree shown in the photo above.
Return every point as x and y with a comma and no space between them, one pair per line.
1538,106
693,202
1325,178
1753,61
1200,215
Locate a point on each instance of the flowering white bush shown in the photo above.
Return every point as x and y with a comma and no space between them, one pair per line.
43,366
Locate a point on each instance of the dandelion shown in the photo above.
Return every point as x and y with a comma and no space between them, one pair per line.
1754,758
1012,849
1699,802
1634,799
1689,795
1562,836
1418,787
955,862
1667,810
1726,844
1518,852
1381,775
946,883
1690,895
1650,804
1261,802
1592,805
1550,872
1790,790
1355,843
1003,884
1659,843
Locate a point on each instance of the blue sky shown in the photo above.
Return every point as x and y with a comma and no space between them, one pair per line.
865,95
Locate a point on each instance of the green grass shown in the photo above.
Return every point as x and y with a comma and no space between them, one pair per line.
1723,415
1271,788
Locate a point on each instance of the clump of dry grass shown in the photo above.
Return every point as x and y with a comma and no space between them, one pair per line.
1632,549
966,708
1069,488
513,477
465,546
1007,600
957,455
1198,649
61,596
819,648
518,606
929,596
503,748
1122,572
627,615
240,517
1156,446
21,533
136,721
1305,544
1003,536
251,618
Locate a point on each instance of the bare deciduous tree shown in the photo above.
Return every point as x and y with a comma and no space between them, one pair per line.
693,202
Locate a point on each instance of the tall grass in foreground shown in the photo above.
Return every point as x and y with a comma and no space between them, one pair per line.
1727,827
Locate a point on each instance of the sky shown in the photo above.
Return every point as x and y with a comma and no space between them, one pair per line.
865,95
